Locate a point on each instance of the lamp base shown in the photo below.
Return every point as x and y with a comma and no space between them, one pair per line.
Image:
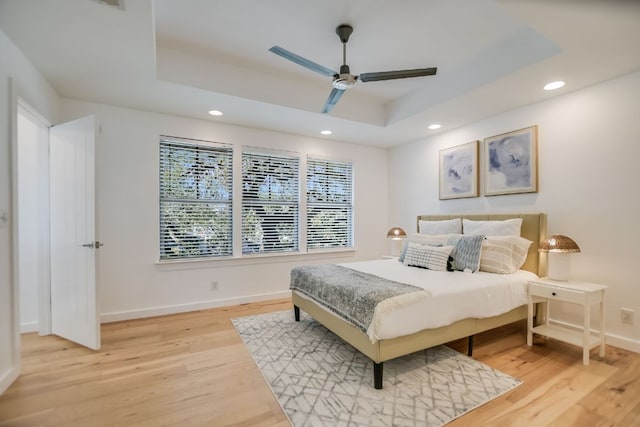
559,266
396,246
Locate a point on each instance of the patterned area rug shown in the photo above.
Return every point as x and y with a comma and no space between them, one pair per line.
320,380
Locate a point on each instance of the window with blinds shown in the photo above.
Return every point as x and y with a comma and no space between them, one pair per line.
270,188
329,204
195,199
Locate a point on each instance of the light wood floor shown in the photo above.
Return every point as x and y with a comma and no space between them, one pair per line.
193,369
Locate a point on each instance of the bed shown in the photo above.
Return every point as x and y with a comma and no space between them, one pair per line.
384,349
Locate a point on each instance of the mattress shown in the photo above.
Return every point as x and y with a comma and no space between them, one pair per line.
454,296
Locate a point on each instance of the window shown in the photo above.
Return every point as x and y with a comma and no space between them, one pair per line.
329,204
270,188
195,199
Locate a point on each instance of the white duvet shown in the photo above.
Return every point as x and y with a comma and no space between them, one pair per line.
454,296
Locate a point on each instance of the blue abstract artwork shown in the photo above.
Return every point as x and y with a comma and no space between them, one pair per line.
511,162
459,171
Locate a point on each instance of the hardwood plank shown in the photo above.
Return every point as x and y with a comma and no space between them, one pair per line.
192,369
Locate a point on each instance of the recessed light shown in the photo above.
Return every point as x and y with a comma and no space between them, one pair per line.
554,85
435,126
326,132
215,112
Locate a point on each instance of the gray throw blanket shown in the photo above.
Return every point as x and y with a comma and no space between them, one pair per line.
353,295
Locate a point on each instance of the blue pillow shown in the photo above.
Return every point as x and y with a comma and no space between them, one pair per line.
466,252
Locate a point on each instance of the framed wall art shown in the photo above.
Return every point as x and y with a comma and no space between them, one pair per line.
511,162
459,171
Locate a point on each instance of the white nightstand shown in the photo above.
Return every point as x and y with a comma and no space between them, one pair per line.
582,293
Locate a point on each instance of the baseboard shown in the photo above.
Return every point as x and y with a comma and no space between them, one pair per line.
7,378
622,342
183,308
610,339
26,328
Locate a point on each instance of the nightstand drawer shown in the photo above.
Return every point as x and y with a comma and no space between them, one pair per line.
556,293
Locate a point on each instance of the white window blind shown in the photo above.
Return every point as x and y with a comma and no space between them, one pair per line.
195,199
329,204
270,188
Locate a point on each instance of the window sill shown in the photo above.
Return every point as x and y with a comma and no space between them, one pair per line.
317,254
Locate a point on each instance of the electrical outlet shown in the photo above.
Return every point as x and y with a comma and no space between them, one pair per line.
626,316
214,285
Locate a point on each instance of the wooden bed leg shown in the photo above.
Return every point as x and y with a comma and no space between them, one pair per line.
296,313
377,375
470,346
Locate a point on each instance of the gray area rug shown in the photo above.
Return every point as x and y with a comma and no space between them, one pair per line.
320,380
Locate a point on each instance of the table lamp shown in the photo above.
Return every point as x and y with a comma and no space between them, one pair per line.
396,234
559,248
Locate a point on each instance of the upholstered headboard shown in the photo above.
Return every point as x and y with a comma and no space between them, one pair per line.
534,228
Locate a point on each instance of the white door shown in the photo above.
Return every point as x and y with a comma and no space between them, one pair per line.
74,311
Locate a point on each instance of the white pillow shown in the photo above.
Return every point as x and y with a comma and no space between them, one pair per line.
507,227
424,239
447,226
503,254
431,257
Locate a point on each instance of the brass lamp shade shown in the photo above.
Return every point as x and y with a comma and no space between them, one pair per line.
559,244
396,233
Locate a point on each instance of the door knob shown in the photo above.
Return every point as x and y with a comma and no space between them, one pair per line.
88,245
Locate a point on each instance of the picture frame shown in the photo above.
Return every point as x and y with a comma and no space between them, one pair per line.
511,162
458,171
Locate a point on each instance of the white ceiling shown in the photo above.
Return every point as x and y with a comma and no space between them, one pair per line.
186,57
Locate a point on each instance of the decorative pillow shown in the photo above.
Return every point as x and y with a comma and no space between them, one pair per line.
503,254
507,227
466,252
447,226
431,257
424,239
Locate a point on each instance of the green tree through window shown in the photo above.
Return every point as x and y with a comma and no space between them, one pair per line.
270,188
329,204
195,199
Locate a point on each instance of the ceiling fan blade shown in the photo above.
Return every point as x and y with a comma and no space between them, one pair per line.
401,74
333,98
302,61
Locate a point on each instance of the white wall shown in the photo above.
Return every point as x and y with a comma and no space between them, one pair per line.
16,71
131,281
589,153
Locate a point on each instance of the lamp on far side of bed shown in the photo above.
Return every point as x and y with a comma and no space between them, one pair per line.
560,248
396,234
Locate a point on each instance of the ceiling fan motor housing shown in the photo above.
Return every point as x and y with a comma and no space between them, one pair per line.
345,79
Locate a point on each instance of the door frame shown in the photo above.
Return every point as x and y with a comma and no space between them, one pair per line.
43,247
16,102
14,369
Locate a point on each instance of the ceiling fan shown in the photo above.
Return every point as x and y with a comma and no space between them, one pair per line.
344,79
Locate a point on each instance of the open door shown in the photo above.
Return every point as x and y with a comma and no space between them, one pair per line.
74,308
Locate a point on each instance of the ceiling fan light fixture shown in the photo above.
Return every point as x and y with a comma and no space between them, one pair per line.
344,81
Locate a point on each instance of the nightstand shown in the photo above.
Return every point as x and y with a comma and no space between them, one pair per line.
581,293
